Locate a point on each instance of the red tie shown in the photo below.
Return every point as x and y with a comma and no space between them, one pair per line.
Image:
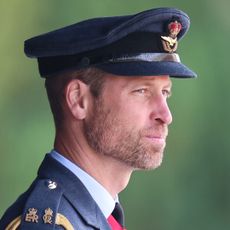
116,219
114,224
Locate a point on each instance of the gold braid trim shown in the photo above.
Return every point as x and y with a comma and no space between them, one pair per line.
64,222
13,225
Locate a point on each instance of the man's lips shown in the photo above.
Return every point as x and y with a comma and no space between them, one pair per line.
156,137
156,134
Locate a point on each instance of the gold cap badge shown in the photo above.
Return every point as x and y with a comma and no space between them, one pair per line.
170,42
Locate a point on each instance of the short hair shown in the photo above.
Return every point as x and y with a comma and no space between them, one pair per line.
55,87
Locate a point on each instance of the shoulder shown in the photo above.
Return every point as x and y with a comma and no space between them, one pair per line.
38,208
55,199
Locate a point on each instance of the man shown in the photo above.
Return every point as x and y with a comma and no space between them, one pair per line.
107,80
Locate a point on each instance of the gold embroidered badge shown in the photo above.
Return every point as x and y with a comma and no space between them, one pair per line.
47,218
32,216
170,42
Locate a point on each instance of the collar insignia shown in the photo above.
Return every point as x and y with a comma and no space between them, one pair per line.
170,42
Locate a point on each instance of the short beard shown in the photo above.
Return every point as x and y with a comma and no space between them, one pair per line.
112,137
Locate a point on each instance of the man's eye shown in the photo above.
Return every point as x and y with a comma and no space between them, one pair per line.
141,91
166,93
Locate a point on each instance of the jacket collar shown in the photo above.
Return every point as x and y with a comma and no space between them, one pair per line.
74,191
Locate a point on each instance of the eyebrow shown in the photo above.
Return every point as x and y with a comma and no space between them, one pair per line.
169,84
149,82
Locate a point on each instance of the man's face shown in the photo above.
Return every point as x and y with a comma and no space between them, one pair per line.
129,120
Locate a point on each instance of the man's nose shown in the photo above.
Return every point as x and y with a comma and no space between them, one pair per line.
161,112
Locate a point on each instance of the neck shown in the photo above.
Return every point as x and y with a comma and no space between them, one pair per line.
112,174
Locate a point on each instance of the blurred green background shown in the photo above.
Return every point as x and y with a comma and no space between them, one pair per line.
191,189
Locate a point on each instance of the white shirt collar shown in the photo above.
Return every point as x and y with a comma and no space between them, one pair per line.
100,195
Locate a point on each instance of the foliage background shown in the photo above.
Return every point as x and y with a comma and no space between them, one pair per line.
191,189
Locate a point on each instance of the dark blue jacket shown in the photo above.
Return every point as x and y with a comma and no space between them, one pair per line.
56,200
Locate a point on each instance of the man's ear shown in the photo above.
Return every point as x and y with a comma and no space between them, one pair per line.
77,96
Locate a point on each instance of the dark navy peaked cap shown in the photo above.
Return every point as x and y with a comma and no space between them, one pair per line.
143,44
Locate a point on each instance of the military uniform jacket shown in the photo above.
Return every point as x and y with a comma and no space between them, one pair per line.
56,200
